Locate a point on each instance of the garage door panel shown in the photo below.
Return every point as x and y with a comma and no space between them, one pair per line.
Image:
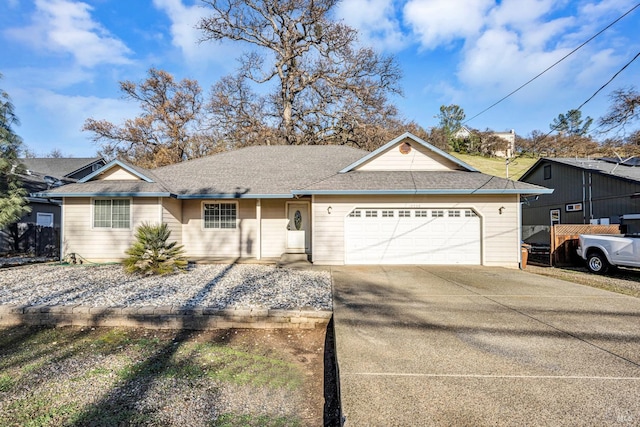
424,236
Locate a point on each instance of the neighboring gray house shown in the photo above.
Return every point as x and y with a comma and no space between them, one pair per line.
42,174
406,203
586,191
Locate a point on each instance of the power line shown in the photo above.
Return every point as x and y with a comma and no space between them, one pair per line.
554,64
594,94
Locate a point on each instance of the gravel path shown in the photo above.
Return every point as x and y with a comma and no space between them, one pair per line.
217,286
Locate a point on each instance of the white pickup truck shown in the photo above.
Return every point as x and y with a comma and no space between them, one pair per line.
604,251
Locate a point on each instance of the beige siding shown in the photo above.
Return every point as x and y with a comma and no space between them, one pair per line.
172,216
274,227
117,173
201,243
500,232
419,158
102,244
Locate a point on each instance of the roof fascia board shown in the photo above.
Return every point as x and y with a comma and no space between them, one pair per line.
420,192
411,136
87,165
113,164
98,194
234,196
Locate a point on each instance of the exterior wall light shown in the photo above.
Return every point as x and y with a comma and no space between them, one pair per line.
329,210
500,209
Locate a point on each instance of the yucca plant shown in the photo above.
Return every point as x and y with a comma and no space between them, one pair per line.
151,254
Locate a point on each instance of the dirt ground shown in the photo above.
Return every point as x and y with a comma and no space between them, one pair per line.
106,376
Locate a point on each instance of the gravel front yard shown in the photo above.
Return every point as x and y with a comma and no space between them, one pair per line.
217,286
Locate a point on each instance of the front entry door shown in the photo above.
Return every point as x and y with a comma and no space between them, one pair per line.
298,230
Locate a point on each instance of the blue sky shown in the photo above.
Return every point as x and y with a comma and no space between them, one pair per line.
62,59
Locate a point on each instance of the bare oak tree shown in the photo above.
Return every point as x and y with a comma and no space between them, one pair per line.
169,129
327,89
625,108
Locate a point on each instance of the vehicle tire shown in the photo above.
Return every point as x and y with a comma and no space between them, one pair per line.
597,263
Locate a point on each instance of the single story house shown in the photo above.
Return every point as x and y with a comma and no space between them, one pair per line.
406,203
587,191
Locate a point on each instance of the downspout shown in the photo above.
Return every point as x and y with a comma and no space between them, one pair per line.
259,234
62,229
520,232
584,199
590,199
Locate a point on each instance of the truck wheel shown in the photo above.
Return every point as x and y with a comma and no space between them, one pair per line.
597,263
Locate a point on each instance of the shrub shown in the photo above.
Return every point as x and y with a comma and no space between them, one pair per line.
151,254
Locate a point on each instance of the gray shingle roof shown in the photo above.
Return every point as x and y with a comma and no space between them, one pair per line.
284,171
623,171
418,182
260,170
57,167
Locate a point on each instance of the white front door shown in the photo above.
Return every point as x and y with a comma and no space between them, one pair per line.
298,230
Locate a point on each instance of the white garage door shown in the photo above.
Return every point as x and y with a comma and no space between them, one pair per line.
412,236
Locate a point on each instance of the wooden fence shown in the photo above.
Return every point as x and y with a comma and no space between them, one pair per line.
564,241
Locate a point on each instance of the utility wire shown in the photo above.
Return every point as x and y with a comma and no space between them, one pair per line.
554,64
594,94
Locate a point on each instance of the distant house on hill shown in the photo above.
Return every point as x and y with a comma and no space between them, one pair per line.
506,150
42,174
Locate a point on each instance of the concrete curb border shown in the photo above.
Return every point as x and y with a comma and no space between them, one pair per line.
163,317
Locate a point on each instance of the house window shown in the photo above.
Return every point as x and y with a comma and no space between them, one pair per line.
371,214
44,219
114,213
469,214
547,171
387,214
454,214
355,214
404,214
421,214
437,214
220,215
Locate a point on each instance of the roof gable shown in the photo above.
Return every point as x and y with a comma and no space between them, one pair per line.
117,170
408,153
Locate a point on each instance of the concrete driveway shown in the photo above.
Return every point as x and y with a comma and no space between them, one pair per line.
483,346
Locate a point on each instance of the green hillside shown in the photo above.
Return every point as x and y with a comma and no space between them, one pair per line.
496,166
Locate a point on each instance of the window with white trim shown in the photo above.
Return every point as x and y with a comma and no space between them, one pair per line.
421,214
44,219
469,214
371,214
454,214
220,215
404,214
111,213
387,214
437,214
355,214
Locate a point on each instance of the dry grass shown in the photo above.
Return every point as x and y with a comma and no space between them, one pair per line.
496,166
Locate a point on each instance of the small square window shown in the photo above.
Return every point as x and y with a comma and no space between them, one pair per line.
355,214
437,214
469,214
421,214
219,215
371,214
387,214
454,214
404,214
547,171
113,213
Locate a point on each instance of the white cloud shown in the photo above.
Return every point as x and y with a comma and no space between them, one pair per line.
66,26
375,21
438,22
